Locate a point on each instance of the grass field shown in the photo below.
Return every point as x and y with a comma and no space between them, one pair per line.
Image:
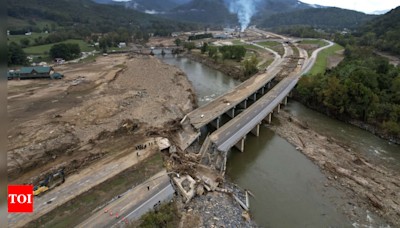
322,60
268,44
250,46
317,42
266,64
17,38
38,50
276,46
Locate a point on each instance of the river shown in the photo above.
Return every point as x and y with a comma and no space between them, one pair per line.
288,187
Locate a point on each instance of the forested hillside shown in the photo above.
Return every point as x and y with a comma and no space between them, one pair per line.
322,18
383,32
95,17
362,87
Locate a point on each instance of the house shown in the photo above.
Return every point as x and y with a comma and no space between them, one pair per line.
120,45
344,32
28,34
174,35
57,60
46,31
30,58
34,73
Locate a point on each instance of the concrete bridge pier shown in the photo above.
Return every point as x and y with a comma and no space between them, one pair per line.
284,101
290,94
269,85
243,104
240,145
215,123
231,112
277,108
256,130
261,90
253,96
269,118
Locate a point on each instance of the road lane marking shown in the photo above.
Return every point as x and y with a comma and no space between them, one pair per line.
141,205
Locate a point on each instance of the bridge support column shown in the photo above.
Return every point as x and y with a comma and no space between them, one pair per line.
240,145
284,101
215,123
231,112
243,104
290,94
269,85
256,130
277,108
261,91
253,96
269,118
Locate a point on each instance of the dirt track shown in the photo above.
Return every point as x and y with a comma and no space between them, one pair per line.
88,114
375,187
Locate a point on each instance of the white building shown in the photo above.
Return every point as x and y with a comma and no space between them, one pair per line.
222,36
28,34
122,45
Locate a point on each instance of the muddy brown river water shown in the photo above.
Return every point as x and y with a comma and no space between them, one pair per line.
288,187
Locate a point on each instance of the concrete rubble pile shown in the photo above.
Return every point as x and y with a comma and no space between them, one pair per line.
197,181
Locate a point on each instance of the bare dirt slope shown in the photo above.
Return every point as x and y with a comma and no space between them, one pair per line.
89,114
375,187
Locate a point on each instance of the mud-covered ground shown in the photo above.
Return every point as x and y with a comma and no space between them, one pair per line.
71,122
376,187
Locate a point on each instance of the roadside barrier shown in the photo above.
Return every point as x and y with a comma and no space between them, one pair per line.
117,216
110,212
105,210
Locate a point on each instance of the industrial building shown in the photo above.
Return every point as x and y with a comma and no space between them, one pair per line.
223,36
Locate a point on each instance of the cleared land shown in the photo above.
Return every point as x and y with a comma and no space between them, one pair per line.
322,59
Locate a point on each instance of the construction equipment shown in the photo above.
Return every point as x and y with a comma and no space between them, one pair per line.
44,185
131,127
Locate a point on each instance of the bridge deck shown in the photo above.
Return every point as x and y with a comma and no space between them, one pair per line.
229,100
228,135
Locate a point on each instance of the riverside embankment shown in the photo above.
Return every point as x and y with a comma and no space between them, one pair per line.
290,189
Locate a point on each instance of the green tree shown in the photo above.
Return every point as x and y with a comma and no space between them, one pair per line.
25,42
16,55
249,67
177,42
212,51
190,45
204,48
53,27
66,51
95,38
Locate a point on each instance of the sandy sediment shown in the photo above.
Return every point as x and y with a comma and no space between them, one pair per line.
70,122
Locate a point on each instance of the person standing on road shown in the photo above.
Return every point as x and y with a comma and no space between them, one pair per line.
148,187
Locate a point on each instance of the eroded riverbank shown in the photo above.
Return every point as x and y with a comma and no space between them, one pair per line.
375,186
289,193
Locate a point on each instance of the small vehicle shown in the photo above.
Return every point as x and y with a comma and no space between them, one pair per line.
105,54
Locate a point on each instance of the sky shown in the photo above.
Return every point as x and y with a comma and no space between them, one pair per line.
366,6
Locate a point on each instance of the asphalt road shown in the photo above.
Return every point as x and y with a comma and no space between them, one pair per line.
74,185
207,113
233,131
133,204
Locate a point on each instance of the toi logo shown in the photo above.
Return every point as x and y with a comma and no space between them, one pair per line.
20,198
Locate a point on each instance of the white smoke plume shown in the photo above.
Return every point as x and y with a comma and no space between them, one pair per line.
244,9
